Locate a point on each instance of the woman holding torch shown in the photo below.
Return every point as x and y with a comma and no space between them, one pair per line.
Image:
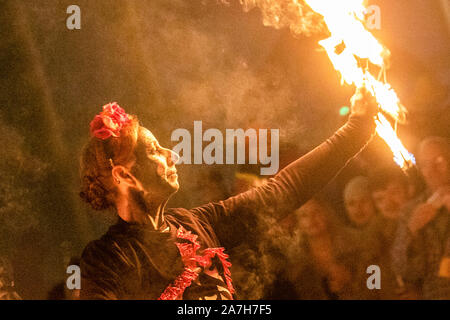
158,253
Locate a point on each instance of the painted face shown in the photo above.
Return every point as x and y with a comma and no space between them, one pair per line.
313,219
360,208
433,166
390,200
155,165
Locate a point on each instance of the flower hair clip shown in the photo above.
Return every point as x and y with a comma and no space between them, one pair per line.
109,122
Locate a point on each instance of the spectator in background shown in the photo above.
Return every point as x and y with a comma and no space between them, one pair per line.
358,202
319,257
365,229
391,191
421,253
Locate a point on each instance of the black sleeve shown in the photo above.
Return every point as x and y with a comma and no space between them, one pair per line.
299,181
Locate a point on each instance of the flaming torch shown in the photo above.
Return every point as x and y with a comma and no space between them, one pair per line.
351,40
352,49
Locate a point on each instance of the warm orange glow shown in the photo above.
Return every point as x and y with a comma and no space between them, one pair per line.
350,41
401,156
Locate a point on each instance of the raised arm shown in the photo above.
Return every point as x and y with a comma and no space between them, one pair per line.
299,181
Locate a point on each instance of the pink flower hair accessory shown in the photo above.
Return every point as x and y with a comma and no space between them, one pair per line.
109,122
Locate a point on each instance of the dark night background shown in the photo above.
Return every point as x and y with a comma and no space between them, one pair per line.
172,62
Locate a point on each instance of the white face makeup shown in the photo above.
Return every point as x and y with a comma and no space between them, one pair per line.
155,165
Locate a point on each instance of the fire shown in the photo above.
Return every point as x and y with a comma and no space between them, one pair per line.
345,22
401,156
351,49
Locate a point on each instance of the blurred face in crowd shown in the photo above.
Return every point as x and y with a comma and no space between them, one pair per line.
434,165
360,208
390,199
313,219
358,201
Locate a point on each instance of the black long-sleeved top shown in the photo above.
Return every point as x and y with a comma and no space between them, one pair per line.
133,261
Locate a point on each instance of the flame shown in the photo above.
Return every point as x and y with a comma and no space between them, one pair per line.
349,46
401,156
349,41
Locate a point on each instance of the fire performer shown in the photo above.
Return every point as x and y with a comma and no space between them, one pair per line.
158,253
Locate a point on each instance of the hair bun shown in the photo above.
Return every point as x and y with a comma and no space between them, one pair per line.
94,193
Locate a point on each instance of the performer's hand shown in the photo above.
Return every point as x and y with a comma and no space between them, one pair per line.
363,103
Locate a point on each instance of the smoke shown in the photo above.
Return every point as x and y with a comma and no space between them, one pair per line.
196,62
292,14
206,75
21,172
263,261
170,63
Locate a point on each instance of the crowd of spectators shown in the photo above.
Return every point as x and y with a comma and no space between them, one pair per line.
389,223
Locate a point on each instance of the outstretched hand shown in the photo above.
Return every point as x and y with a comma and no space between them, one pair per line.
363,103
421,216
